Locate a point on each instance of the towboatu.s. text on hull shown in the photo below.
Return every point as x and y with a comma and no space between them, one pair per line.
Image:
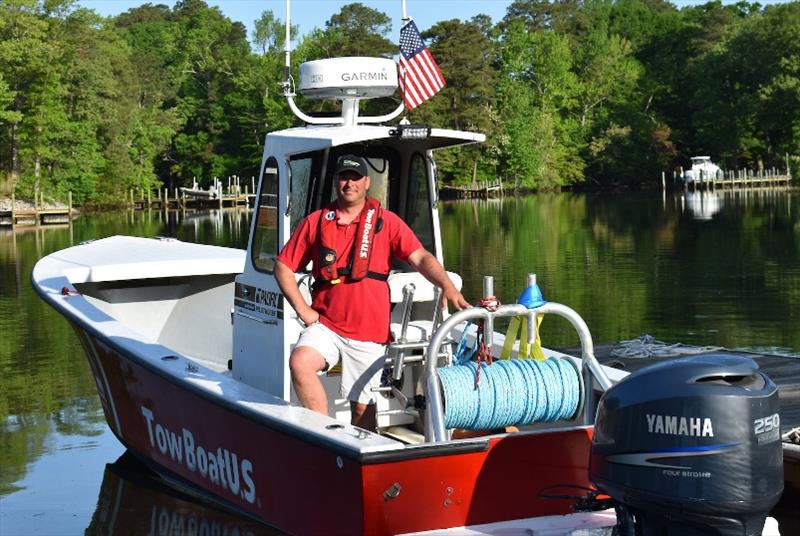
189,347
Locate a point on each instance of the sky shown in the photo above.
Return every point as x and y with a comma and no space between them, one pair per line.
308,14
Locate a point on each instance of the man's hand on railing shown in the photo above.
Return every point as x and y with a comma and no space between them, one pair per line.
454,298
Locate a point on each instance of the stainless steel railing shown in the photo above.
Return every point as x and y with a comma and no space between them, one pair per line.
591,371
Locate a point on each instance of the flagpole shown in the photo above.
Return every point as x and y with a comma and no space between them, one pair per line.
402,72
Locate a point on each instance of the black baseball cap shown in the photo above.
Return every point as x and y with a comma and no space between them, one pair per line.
350,162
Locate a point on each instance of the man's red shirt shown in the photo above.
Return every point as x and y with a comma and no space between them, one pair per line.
357,310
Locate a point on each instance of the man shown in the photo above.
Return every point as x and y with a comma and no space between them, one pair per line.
352,243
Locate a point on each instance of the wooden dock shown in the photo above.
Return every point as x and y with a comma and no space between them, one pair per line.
739,179
483,190
218,196
179,200
40,214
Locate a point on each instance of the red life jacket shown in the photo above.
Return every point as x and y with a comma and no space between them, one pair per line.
370,223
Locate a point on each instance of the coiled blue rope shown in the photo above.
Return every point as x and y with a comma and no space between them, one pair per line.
510,392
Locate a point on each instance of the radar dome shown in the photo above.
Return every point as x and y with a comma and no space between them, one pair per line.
344,78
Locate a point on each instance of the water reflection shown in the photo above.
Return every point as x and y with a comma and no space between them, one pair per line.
636,264
705,204
46,388
630,264
132,500
702,205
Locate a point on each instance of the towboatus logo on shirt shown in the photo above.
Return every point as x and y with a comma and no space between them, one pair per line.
363,252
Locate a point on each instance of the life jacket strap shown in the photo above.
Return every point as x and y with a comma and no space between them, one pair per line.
343,272
370,224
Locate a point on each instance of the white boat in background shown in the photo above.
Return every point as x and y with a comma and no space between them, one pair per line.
703,169
213,192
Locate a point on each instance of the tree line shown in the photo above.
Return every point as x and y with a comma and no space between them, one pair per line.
569,92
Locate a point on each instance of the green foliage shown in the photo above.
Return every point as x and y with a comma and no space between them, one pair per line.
539,94
269,31
567,91
358,30
7,115
468,58
768,47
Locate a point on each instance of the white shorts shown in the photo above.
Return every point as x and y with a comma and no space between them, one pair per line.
362,362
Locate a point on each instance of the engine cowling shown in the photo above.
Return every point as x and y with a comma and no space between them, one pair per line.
691,446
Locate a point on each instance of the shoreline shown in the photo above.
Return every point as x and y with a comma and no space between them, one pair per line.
23,205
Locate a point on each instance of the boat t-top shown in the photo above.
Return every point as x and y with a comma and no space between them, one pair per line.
189,346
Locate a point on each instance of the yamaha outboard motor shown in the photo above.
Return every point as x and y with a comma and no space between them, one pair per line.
691,446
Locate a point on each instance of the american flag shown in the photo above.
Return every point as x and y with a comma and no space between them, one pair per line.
420,77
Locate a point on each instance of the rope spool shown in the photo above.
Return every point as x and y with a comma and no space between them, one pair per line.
510,392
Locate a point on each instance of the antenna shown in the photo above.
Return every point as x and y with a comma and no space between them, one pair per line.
287,51
287,48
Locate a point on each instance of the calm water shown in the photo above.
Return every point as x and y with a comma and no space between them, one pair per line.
721,270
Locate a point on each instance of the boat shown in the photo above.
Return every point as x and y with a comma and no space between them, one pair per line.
189,347
195,191
703,169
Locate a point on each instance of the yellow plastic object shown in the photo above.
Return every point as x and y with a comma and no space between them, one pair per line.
519,325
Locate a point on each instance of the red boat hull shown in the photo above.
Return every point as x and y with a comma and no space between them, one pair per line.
302,486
